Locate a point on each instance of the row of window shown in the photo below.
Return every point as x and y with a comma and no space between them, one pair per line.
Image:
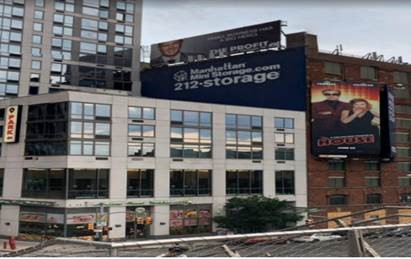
374,198
366,72
94,183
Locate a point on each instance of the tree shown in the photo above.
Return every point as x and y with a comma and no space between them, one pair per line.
256,214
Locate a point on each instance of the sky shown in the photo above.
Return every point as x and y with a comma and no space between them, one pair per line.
360,26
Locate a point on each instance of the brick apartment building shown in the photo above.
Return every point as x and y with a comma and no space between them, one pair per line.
338,187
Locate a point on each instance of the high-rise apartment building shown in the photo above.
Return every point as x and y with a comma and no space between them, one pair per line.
87,45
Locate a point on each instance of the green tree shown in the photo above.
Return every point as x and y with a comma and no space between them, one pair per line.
256,214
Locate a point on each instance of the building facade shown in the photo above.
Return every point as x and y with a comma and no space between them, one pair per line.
338,187
87,45
114,160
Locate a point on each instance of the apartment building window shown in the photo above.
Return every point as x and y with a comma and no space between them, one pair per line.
124,11
44,183
332,68
375,198
47,129
403,123
405,198
141,136
140,183
404,167
337,200
90,129
336,165
190,183
402,137
336,181
191,134
36,39
372,165
88,183
284,123
36,52
244,182
244,136
373,181
37,27
1,180
369,73
400,77
38,14
404,181
39,3
36,64
63,24
64,6
403,152
283,138
284,182
406,109
284,154
141,113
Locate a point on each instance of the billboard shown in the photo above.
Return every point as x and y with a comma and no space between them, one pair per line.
388,149
217,45
272,79
345,119
11,129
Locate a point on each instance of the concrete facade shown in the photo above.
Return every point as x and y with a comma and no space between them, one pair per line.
13,161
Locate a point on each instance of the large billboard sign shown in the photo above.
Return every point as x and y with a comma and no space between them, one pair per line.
217,45
345,119
272,79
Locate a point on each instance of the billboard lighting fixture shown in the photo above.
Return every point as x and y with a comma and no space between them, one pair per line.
333,156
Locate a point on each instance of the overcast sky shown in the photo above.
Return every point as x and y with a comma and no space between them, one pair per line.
360,26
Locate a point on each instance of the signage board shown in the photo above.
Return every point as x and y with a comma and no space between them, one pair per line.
273,79
388,149
345,119
216,45
11,127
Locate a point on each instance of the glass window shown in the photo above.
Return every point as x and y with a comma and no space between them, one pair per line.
284,153
332,68
103,129
336,165
140,183
284,182
190,182
374,198
102,148
405,198
284,123
337,200
37,26
35,64
369,73
404,181
372,165
39,3
244,182
102,110
38,14
36,39
336,182
373,181
36,52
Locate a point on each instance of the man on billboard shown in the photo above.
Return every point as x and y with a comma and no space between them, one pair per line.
171,53
326,115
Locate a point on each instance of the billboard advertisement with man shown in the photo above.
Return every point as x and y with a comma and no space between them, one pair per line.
345,119
272,79
217,45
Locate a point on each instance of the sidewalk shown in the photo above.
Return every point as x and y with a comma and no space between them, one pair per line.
20,245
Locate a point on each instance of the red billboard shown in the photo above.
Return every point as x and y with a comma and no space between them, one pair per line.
345,119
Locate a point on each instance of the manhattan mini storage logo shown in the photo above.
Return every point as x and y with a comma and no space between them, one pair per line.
227,74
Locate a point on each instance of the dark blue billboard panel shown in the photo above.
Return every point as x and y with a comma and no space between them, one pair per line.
388,149
272,79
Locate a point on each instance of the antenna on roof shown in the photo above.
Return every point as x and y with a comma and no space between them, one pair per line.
338,50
